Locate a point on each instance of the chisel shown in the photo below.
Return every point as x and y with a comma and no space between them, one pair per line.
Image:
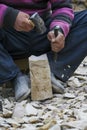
56,34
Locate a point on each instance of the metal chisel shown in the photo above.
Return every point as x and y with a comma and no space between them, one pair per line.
56,34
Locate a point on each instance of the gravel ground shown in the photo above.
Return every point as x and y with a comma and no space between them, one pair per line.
66,111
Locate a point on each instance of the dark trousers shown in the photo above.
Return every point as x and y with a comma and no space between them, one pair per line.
15,44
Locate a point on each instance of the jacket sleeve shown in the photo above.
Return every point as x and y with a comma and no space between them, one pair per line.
62,15
7,16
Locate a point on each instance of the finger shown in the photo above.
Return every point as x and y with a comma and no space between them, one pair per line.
58,48
60,37
54,48
51,35
31,23
27,26
22,28
18,28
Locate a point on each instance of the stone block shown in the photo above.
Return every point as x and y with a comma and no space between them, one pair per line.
40,76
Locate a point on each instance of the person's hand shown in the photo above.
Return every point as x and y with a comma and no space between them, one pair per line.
23,23
57,43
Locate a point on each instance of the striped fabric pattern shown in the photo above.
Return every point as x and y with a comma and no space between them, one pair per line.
62,13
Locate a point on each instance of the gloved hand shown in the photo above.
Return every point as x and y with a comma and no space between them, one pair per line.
22,22
57,43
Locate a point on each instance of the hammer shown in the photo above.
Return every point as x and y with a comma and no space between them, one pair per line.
38,23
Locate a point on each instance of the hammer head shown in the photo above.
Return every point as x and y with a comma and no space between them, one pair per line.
38,22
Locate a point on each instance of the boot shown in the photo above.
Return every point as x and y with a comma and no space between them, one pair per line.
22,87
57,85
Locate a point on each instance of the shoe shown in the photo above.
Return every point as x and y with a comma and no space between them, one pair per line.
21,86
57,85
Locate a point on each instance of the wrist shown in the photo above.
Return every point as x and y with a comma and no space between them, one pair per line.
59,29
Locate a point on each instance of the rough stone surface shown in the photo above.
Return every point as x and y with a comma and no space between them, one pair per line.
40,76
63,112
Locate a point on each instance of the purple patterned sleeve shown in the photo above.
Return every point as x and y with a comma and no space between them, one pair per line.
62,15
3,9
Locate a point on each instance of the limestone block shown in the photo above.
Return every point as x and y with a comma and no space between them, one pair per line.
40,76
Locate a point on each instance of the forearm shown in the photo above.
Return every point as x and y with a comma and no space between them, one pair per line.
62,15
